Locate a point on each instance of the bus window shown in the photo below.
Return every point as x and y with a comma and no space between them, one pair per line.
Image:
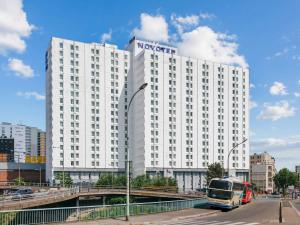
238,187
218,184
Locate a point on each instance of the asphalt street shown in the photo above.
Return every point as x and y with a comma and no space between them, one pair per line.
254,213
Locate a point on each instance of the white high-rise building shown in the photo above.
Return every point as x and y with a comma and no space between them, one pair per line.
190,115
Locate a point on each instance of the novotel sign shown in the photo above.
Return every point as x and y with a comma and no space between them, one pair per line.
156,48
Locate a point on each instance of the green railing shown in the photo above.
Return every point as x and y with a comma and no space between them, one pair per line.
85,213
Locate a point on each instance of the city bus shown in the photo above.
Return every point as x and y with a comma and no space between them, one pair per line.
225,193
247,194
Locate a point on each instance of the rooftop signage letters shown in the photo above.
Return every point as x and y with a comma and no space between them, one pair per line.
156,48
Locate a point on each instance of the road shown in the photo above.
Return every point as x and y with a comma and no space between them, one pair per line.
255,213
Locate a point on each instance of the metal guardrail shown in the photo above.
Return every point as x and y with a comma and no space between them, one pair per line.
86,213
10,199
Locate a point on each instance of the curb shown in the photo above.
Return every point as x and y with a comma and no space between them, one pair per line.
297,211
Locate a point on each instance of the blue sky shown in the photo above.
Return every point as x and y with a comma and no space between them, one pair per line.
265,36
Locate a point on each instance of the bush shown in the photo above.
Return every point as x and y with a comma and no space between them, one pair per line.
19,182
142,181
109,179
64,178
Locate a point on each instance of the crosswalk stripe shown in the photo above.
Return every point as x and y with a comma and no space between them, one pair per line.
190,221
194,221
223,223
183,222
237,223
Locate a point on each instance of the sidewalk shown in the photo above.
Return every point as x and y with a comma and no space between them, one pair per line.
147,219
291,216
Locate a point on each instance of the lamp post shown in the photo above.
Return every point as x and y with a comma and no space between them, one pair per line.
142,87
234,147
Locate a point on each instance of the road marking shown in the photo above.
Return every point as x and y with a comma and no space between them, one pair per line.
205,222
238,223
189,221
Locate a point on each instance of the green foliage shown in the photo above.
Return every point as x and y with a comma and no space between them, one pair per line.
117,200
110,179
64,178
214,170
285,178
141,181
19,182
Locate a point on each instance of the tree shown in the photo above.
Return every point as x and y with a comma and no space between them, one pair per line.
214,170
285,178
61,177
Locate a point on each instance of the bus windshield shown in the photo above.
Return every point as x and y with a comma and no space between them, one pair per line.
219,194
221,184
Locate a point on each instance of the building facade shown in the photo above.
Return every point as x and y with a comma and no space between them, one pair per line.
7,147
26,141
190,115
297,170
262,171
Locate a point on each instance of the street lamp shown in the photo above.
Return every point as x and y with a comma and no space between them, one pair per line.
234,147
142,87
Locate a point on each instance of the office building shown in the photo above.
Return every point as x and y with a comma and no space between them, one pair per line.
26,139
262,171
7,147
190,115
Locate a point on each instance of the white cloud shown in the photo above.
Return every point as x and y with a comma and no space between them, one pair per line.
283,149
13,26
297,94
183,23
207,16
19,68
154,28
252,104
298,81
278,111
191,39
283,52
205,43
106,36
278,88
252,85
30,94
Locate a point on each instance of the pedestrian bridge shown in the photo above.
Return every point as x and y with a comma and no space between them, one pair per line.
55,196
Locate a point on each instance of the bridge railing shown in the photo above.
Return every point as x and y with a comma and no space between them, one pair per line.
86,213
13,199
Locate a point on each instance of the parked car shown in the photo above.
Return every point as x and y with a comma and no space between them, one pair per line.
22,194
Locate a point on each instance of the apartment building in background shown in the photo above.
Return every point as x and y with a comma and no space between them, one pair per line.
26,140
191,113
262,171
